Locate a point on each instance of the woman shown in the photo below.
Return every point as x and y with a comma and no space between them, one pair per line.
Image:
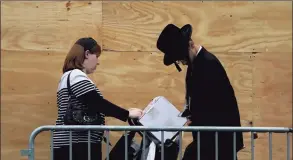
82,60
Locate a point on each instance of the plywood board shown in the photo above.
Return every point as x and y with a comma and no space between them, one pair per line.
48,25
223,26
28,99
272,89
35,39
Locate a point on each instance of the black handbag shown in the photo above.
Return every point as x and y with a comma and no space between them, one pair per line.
77,115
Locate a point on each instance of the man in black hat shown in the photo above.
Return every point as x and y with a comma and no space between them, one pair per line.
210,98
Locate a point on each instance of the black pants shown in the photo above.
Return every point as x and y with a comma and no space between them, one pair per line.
79,152
207,153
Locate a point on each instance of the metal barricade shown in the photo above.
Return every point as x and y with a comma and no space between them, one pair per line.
31,154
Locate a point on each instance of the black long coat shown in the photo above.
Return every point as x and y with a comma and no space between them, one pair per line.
212,103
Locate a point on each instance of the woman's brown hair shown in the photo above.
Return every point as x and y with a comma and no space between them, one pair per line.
76,55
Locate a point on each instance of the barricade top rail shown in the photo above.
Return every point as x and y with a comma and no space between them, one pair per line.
163,128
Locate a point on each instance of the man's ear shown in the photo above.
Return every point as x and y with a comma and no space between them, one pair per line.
86,54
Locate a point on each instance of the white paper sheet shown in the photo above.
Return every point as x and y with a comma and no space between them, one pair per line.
152,152
160,112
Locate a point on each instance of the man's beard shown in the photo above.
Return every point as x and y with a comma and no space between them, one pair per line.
185,61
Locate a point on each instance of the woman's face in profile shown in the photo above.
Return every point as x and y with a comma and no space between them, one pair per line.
91,61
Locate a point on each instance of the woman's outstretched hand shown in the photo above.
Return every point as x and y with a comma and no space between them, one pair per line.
135,112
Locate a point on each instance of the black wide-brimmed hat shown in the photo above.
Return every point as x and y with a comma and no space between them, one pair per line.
174,43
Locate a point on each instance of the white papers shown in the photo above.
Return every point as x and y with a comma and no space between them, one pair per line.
152,151
160,112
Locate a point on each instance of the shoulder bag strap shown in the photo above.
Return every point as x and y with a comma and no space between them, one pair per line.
68,85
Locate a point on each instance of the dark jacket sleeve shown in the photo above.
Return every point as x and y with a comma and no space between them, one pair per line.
96,103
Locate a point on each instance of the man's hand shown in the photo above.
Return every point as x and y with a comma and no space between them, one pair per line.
188,122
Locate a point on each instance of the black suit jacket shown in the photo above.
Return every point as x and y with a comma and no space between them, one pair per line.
212,100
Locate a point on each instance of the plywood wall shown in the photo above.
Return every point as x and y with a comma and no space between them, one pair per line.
253,40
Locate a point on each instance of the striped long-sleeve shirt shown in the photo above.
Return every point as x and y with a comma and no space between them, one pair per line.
86,95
